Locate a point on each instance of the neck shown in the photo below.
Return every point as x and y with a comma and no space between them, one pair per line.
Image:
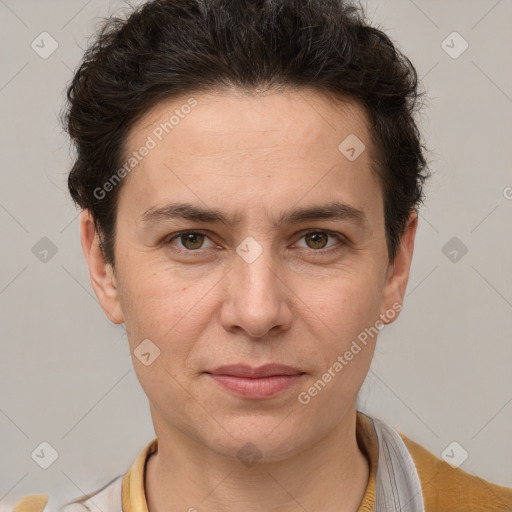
331,475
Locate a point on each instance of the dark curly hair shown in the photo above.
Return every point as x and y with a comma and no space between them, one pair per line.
168,48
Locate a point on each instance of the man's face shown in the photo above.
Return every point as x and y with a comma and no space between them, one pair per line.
255,291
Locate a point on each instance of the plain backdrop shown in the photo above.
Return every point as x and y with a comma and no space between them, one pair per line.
441,373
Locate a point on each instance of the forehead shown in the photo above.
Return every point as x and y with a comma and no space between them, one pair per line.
292,143
300,116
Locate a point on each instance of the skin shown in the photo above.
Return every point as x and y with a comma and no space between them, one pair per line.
254,155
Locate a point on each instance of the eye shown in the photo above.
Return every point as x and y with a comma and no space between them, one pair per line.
190,240
317,240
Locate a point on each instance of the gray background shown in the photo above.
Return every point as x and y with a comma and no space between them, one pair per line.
441,373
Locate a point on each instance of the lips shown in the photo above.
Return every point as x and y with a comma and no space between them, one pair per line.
267,370
256,383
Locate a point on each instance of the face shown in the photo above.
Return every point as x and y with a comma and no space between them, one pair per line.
287,264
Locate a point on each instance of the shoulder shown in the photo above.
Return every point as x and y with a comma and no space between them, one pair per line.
449,489
31,503
107,499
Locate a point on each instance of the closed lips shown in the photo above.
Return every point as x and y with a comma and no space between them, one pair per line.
245,371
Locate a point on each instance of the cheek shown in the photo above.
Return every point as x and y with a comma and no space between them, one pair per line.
172,318
345,316
150,306
343,304
342,319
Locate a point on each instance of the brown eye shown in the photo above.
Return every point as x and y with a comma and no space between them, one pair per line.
318,239
192,241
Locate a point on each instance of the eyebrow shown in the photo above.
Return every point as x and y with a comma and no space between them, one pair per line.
333,210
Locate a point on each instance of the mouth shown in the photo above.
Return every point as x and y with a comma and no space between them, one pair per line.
256,383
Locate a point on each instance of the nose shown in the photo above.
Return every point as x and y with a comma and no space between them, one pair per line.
257,299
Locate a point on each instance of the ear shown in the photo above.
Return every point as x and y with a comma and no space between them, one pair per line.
100,272
398,273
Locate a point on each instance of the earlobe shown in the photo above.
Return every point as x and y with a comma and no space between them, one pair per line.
101,273
398,272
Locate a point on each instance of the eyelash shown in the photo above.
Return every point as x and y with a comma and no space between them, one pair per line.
329,250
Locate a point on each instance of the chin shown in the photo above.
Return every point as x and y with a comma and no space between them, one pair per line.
264,438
